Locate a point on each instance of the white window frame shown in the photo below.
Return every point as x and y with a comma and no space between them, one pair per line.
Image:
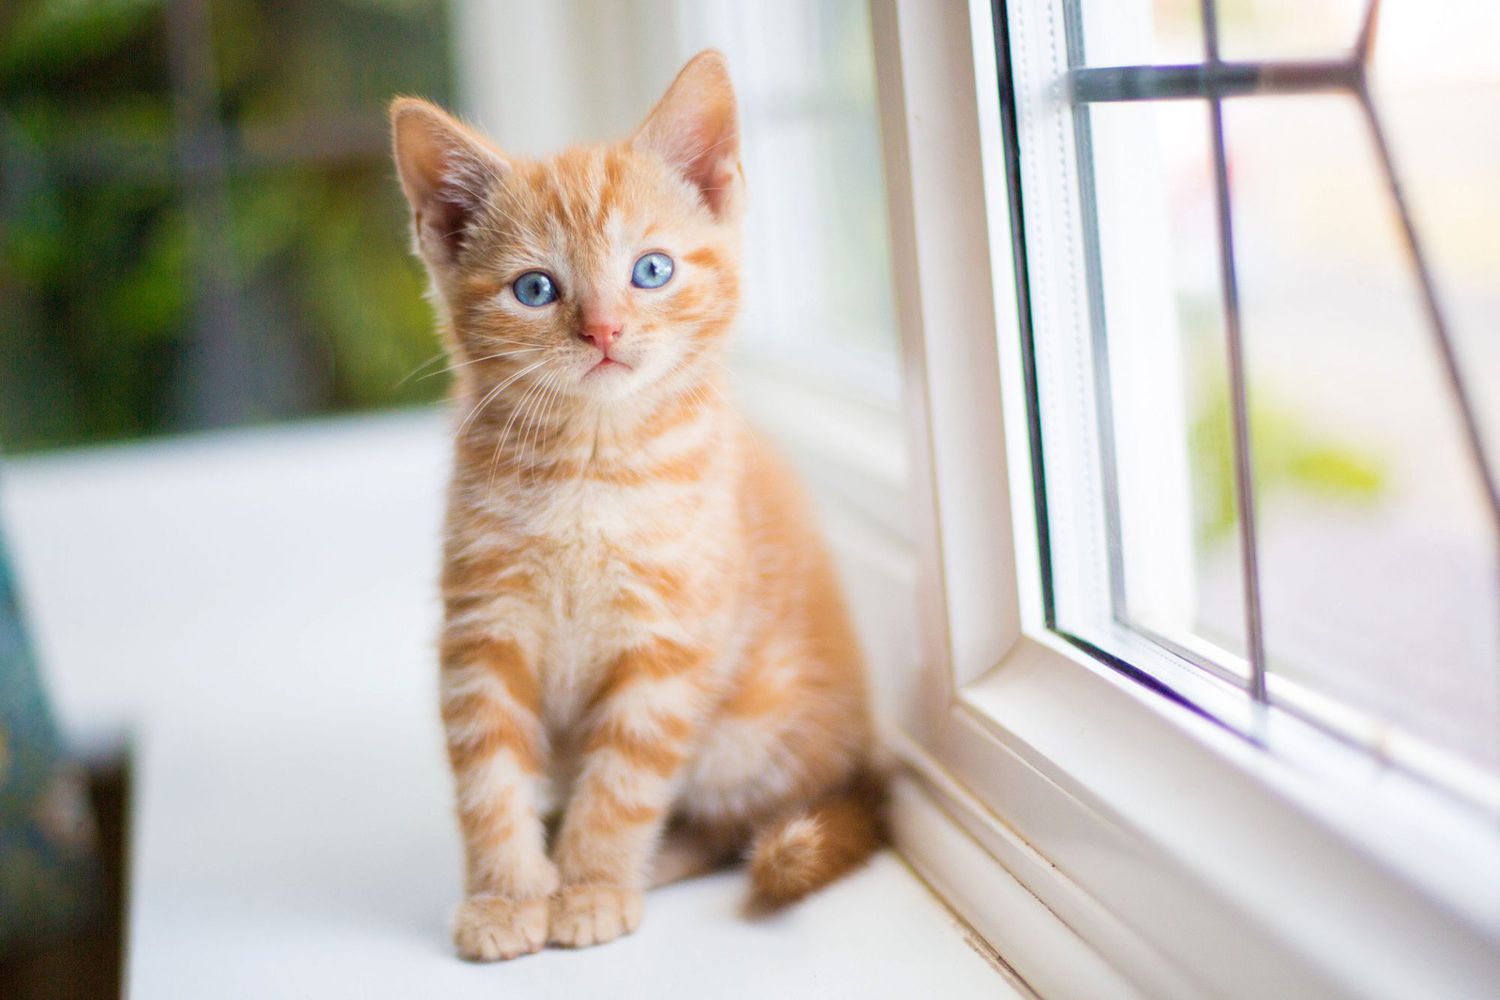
1105,838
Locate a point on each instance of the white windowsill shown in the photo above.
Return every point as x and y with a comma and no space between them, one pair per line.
257,608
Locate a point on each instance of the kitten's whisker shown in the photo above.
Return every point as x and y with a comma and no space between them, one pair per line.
505,433
489,397
407,377
536,439
508,342
727,139
474,361
515,415
559,401
504,436
718,390
539,425
695,387
518,451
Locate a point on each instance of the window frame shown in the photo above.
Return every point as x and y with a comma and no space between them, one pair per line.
1185,858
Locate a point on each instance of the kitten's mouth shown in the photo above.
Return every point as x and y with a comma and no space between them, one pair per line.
606,363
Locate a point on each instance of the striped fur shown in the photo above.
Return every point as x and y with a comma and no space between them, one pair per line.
642,626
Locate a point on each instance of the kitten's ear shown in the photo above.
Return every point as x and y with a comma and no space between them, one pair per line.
695,129
446,170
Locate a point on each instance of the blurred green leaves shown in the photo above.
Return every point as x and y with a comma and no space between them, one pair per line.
101,251
1290,456
49,38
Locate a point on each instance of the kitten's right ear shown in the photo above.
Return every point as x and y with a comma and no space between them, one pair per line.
446,170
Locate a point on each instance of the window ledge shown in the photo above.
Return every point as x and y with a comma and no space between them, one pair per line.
258,607
1141,823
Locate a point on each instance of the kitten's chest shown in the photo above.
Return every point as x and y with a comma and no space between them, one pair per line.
587,558
607,558
582,632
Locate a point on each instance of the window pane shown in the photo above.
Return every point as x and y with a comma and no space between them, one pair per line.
1379,575
1377,563
1168,371
1141,32
1436,82
1288,29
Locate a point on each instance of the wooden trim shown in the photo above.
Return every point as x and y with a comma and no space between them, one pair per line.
1043,953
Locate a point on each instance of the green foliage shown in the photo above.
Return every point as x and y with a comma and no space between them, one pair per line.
104,248
48,39
1289,456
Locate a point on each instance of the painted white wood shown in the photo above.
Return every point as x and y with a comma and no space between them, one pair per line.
947,301
1235,850
1194,861
259,609
1048,957
955,843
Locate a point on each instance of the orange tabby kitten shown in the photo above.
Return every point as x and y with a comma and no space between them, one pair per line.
642,627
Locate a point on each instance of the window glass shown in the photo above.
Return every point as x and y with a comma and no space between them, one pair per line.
1376,560
1163,331
1158,31
1287,29
1377,564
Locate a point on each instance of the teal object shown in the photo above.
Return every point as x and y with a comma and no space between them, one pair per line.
49,878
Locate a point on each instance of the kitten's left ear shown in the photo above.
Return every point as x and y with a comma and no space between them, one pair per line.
696,130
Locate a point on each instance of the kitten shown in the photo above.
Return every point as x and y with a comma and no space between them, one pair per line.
642,626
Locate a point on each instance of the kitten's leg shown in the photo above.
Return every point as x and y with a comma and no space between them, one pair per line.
495,743
642,729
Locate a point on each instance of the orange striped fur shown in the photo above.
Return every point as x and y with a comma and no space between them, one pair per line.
644,639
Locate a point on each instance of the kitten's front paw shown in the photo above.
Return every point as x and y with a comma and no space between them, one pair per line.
593,914
487,928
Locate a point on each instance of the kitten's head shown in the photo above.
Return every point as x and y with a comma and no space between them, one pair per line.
608,272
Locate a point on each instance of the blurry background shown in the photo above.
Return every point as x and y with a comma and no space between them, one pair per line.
199,225
196,221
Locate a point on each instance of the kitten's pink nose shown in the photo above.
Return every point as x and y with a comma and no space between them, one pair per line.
602,330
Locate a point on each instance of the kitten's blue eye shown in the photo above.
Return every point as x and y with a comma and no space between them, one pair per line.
651,271
535,288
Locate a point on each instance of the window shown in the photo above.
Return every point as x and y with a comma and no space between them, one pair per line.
1258,379
1080,390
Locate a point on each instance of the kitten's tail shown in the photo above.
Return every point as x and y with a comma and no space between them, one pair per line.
802,851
